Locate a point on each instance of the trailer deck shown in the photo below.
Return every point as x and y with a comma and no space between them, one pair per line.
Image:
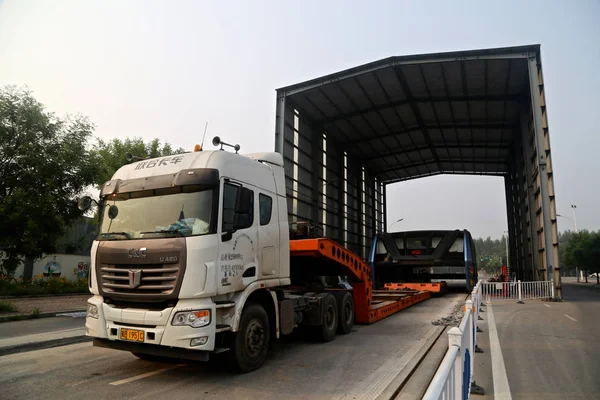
327,258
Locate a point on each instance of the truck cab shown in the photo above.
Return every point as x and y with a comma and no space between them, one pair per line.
184,243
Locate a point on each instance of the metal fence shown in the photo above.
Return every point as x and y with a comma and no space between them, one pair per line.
454,377
518,291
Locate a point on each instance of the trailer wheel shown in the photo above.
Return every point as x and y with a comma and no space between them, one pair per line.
250,343
345,312
329,318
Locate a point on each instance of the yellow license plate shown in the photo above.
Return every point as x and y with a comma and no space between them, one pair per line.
131,334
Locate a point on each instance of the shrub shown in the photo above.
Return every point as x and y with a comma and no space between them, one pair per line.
41,285
7,306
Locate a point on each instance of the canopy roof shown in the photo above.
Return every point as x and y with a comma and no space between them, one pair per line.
413,116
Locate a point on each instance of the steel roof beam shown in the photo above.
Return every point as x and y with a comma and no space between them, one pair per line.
498,173
389,100
343,117
473,161
519,52
365,94
426,147
507,125
416,112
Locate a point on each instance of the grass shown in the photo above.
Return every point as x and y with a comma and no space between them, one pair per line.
7,306
42,285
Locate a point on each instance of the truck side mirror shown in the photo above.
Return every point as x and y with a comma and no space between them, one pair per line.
84,203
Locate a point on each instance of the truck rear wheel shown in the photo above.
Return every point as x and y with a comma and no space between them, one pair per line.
346,312
251,342
329,318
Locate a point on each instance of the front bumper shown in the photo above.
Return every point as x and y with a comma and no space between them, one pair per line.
155,324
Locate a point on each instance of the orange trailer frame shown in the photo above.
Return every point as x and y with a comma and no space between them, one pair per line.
369,306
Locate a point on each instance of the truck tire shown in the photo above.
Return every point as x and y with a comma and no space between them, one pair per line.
345,313
329,318
249,345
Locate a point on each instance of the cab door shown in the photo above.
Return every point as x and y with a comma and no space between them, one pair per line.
238,238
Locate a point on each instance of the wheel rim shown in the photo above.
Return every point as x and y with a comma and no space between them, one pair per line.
255,337
348,313
330,317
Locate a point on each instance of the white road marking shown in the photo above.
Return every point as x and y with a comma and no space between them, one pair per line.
501,387
547,305
147,374
571,318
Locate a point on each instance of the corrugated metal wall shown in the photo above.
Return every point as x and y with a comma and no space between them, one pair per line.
326,185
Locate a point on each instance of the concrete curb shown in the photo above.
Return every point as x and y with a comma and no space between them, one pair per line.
23,317
47,344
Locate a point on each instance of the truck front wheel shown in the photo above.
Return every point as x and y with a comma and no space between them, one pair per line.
251,342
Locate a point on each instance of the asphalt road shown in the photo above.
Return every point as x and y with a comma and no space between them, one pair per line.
355,366
551,350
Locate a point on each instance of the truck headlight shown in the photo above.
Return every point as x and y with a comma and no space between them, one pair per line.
92,311
195,319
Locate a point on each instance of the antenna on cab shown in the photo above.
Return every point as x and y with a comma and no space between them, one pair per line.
203,136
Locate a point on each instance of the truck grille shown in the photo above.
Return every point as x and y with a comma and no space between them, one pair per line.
141,271
153,278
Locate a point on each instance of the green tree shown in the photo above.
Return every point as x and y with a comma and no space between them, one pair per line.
490,252
563,239
45,165
111,154
583,251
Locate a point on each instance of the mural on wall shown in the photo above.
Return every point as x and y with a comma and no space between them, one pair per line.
52,268
83,270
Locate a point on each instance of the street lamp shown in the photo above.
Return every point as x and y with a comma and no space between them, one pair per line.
507,257
574,207
395,222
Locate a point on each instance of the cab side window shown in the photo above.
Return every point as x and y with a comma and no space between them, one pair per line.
265,203
230,194
238,207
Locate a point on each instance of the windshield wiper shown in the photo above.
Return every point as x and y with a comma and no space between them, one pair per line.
116,233
177,231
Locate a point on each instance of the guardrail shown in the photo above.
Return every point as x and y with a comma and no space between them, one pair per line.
454,378
518,290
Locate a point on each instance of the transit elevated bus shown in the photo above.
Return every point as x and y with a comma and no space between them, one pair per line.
423,256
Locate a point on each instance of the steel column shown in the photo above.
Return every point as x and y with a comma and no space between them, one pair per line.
279,122
541,165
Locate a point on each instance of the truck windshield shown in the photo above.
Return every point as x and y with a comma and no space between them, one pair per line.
157,213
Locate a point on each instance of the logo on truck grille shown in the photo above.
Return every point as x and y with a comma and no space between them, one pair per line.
135,278
137,253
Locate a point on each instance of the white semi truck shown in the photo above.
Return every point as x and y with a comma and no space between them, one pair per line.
193,256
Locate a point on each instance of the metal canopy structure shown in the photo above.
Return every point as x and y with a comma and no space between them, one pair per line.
345,136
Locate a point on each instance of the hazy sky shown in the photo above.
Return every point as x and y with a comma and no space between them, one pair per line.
162,69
